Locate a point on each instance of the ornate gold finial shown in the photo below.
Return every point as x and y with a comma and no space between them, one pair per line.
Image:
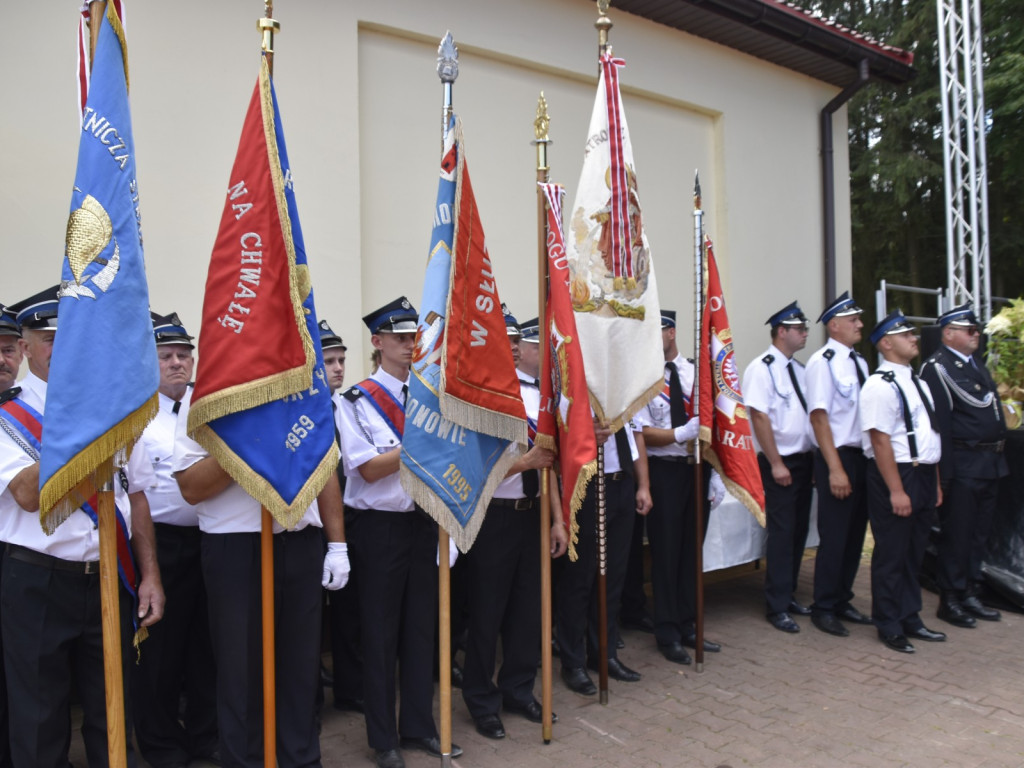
268,26
603,25
540,125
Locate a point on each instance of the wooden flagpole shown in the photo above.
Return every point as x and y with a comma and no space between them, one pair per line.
603,24
110,597
447,71
698,473
541,140
267,26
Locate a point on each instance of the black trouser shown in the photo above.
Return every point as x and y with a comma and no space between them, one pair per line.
231,568
346,629
577,615
842,524
177,659
5,732
634,601
965,519
899,547
395,555
787,514
53,639
503,573
671,532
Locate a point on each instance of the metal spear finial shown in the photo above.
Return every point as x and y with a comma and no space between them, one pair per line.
447,59
603,24
268,26
696,189
540,131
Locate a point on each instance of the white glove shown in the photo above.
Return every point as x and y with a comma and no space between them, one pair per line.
453,553
688,431
716,490
336,566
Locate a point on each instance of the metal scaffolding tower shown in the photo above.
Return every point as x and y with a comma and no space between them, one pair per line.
963,151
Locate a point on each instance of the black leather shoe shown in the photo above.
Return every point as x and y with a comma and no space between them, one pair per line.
923,633
783,622
690,640
456,676
531,710
490,726
432,746
951,611
675,652
827,622
798,608
349,705
619,643
852,615
897,643
643,624
578,681
619,671
974,606
389,758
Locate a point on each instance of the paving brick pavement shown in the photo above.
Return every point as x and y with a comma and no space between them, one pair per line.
769,700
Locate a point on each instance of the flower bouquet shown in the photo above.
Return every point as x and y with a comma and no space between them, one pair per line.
1005,333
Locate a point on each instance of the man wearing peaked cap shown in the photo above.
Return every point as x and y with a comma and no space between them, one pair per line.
10,351
903,448
394,548
834,375
973,430
774,390
668,433
52,581
178,660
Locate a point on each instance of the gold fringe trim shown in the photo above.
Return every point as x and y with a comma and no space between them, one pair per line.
426,497
141,634
58,499
115,23
734,488
547,442
484,420
587,472
243,397
631,410
257,486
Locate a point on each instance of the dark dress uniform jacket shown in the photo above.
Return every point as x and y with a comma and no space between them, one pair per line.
969,414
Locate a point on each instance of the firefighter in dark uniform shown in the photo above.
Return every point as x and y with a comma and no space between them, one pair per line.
973,431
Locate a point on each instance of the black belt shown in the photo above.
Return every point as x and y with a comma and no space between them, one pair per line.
849,449
26,555
996,447
676,459
516,504
615,476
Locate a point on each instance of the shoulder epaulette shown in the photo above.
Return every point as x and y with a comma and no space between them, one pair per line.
352,394
889,376
768,359
9,394
828,354
689,360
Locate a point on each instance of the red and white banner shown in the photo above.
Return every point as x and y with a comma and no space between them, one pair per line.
614,293
725,433
565,424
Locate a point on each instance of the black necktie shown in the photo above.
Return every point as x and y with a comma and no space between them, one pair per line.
337,434
927,404
796,385
405,394
625,454
176,407
676,404
531,477
856,367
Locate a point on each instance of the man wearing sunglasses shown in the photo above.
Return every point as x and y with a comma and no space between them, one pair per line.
973,431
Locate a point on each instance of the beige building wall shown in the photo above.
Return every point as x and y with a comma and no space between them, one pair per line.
361,107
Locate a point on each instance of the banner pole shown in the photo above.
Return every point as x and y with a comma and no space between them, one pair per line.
110,610
113,676
603,25
698,474
447,71
541,141
267,26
